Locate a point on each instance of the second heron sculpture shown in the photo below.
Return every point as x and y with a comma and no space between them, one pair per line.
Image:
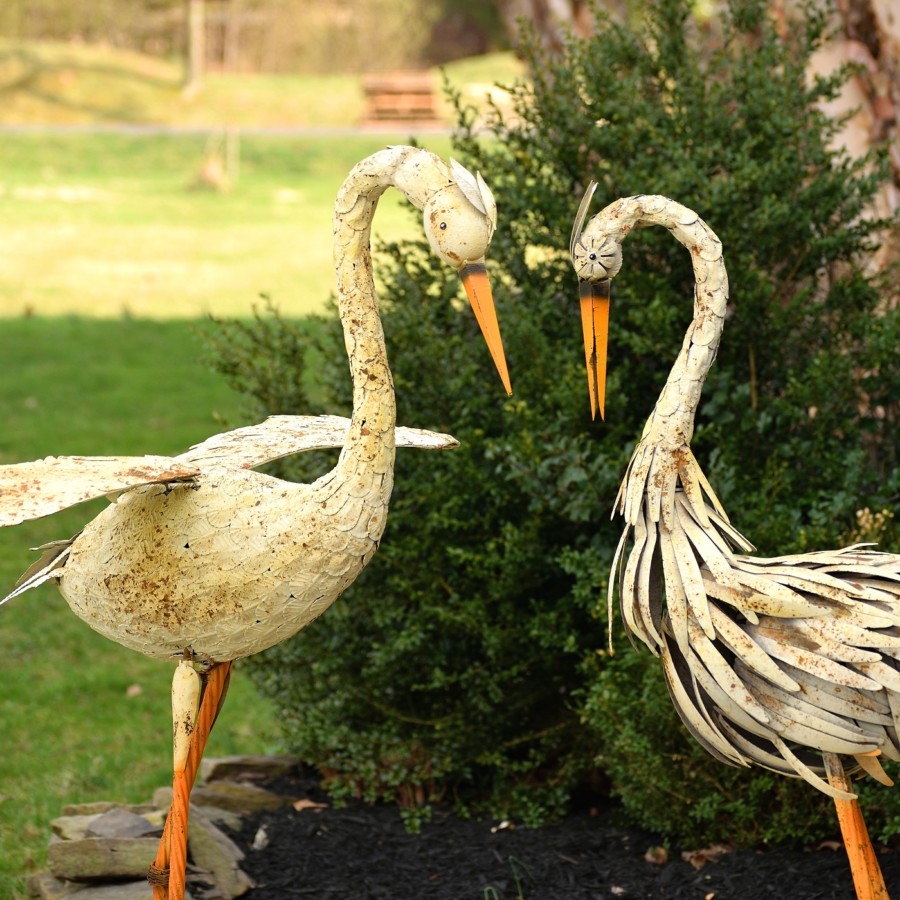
786,662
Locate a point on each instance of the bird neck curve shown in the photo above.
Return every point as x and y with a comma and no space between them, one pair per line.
672,418
368,453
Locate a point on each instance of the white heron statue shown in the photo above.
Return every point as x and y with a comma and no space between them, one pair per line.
785,662
200,560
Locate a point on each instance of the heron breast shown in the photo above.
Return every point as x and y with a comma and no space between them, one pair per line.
227,567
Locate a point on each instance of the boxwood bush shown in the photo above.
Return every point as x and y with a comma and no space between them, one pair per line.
468,661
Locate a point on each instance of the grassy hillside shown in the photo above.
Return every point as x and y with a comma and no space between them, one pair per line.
174,225
74,84
116,224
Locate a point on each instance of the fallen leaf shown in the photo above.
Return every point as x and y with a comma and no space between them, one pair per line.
656,855
306,803
830,845
134,690
699,858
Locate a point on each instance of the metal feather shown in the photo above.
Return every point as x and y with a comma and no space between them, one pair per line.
581,215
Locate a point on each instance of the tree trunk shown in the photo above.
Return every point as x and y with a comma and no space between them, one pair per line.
870,37
551,19
232,40
196,45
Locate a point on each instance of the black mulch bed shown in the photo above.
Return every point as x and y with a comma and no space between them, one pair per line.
362,852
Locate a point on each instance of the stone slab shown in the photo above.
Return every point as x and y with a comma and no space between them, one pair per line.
211,849
243,799
47,886
246,768
132,890
102,806
219,816
122,823
72,828
119,821
90,859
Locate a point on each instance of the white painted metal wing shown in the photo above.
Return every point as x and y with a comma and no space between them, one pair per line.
30,490
280,436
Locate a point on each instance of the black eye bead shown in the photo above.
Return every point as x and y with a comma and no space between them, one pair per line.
593,257
443,226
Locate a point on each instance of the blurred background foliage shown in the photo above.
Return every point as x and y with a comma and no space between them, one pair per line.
274,35
468,662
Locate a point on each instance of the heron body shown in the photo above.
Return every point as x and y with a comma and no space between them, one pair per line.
267,574
786,662
219,561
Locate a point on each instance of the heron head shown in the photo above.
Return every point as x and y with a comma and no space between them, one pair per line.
596,259
460,220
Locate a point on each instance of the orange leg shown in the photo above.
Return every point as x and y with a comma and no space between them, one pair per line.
167,871
867,877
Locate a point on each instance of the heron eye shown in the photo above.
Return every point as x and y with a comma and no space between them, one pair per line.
443,226
593,257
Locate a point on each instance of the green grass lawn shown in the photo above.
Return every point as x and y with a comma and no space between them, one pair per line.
97,84
83,718
113,224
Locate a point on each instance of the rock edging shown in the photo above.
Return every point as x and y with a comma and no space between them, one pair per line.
101,851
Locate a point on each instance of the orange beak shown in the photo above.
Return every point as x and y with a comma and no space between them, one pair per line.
595,324
478,290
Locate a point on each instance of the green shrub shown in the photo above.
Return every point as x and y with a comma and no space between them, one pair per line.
467,662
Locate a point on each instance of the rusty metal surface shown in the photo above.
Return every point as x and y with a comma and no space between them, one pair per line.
33,489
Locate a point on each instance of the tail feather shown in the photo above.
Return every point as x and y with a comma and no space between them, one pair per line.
48,566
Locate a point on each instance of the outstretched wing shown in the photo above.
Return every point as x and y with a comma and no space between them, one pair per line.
280,436
33,489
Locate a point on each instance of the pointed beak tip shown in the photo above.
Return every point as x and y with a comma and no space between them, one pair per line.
594,410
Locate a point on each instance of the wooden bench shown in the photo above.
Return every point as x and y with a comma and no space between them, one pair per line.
399,97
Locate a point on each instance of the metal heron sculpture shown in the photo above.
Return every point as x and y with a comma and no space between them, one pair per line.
785,662
199,559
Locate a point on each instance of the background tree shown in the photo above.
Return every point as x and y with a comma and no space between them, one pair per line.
195,11
551,20
866,39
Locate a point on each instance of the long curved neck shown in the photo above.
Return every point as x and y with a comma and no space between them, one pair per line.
672,418
368,454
